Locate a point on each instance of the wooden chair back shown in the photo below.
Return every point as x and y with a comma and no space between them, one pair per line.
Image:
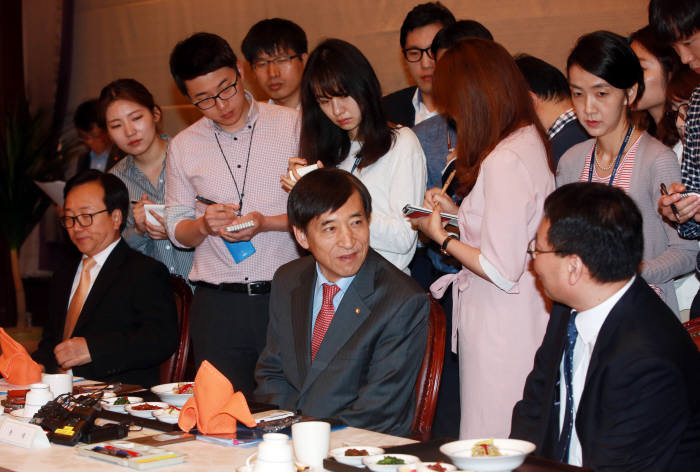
173,369
693,327
428,381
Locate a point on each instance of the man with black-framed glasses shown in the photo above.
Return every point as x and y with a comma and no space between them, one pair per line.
410,106
276,50
112,311
223,171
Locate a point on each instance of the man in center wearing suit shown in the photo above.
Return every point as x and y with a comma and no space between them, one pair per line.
616,382
347,329
112,314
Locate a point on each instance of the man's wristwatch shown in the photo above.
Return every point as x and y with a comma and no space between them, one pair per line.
443,247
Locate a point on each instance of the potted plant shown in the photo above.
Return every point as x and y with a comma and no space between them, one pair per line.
26,155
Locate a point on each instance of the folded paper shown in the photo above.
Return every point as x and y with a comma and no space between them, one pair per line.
16,365
215,407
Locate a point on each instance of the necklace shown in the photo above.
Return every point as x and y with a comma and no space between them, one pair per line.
597,164
594,160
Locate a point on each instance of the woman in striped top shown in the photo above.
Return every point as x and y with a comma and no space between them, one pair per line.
606,79
131,117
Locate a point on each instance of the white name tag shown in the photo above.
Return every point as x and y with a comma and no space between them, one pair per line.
17,433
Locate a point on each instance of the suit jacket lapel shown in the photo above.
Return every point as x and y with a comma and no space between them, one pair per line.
110,270
63,289
346,320
607,333
302,299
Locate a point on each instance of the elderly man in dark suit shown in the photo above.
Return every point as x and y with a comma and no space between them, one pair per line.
616,381
347,329
112,312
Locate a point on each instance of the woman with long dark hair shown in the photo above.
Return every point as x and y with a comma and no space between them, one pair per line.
499,316
131,118
606,80
659,62
343,125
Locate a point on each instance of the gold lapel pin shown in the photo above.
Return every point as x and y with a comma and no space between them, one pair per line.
357,311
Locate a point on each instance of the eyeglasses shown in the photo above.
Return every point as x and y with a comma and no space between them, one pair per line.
225,94
83,220
533,251
416,54
280,61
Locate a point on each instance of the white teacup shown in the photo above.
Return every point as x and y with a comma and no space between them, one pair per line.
311,441
58,383
275,447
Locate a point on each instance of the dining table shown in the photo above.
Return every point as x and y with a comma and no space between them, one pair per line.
201,455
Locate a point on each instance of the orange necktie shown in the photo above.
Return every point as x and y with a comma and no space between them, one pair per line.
81,293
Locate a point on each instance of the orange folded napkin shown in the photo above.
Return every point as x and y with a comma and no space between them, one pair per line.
15,363
215,407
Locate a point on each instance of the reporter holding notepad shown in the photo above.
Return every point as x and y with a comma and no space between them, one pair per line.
499,316
131,117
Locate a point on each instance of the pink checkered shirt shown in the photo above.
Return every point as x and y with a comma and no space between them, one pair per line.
196,167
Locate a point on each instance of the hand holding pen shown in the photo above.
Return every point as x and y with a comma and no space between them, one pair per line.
677,205
218,216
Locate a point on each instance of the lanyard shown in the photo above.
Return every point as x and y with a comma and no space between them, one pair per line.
241,192
617,159
354,166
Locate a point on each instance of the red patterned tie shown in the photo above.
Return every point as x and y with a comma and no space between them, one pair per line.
324,318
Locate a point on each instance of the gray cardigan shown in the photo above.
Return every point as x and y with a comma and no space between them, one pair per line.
666,255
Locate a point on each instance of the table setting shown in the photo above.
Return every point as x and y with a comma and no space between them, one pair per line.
209,426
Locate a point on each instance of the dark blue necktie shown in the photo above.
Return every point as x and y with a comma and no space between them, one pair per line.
568,425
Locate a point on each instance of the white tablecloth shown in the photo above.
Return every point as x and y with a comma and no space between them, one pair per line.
201,455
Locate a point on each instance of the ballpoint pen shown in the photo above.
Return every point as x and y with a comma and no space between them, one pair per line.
674,209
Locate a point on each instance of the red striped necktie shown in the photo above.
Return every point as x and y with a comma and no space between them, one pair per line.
324,318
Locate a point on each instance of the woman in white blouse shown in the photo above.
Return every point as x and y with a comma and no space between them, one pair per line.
343,125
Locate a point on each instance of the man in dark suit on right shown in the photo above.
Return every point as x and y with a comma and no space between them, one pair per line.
347,329
616,382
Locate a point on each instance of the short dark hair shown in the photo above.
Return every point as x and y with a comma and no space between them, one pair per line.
198,55
336,68
599,223
116,194
423,15
86,115
450,35
609,56
322,190
124,89
271,36
674,20
544,80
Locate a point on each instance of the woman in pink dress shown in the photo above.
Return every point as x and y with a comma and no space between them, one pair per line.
503,169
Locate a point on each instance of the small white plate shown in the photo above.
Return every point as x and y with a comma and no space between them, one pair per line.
108,403
339,454
169,415
166,392
145,413
423,466
19,415
371,462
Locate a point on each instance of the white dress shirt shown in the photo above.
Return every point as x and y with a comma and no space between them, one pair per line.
422,112
100,259
588,324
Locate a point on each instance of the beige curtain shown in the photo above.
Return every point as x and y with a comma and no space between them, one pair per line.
133,38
